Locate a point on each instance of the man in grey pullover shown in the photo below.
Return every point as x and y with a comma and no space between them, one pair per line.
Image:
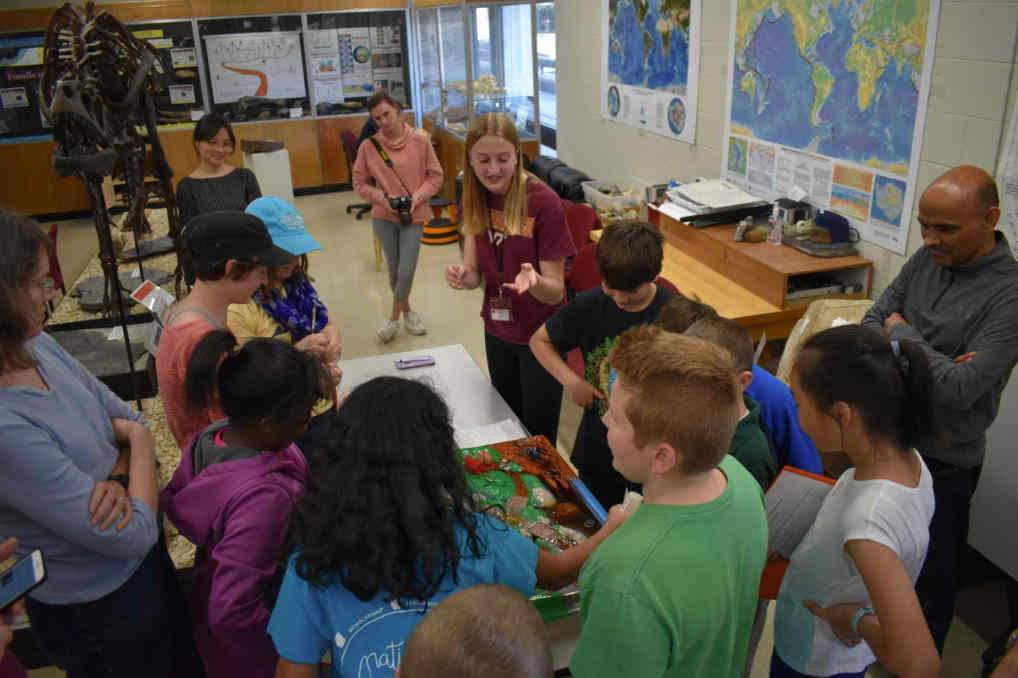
957,297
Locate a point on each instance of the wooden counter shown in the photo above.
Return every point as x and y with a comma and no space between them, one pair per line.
748,282
31,186
761,267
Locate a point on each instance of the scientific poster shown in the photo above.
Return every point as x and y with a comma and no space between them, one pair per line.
355,61
387,61
326,68
255,64
650,61
831,97
1007,184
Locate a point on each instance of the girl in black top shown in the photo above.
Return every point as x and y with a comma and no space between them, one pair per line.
215,184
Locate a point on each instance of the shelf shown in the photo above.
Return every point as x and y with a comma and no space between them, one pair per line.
762,269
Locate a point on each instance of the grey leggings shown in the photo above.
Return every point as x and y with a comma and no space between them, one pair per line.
401,245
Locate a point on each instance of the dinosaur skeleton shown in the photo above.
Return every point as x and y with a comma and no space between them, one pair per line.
99,84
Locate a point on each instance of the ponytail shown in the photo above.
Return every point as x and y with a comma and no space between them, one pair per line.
917,419
888,382
265,378
203,367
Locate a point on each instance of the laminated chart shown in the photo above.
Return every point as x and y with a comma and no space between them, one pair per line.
255,64
387,61
355,61
326,69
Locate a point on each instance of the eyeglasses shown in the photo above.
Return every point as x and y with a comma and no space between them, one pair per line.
45,283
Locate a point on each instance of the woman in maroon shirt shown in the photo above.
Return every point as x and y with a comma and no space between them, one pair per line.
516,241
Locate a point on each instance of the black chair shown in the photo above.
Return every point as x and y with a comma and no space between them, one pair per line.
350,151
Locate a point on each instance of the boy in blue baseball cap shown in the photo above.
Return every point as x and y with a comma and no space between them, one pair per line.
287,307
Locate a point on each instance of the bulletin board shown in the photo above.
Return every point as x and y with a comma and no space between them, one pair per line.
21,115
352,55
182,100
254,67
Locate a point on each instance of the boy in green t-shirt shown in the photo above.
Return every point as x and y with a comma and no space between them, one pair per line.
673,591
749,444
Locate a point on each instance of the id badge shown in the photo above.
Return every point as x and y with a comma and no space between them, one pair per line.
501,309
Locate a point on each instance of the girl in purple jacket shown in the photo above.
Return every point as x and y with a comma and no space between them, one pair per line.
235,488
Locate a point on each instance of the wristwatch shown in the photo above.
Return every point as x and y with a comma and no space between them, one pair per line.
121,478
859,614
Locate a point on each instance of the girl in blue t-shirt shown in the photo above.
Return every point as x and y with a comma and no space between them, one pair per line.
384,532
848,597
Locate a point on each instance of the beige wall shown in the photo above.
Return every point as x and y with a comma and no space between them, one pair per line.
974,56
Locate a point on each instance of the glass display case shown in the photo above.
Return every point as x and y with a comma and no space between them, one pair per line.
430,62
478,58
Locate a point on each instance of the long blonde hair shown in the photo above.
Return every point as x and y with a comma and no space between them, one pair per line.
475,195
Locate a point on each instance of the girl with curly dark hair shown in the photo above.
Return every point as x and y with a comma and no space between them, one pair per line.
384,531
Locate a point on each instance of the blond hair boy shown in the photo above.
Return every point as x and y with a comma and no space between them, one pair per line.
485,631
674,590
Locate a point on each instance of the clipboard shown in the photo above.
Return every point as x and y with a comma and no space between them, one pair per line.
793,501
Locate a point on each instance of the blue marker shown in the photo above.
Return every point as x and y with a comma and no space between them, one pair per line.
593,505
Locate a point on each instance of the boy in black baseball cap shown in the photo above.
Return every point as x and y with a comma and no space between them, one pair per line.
216,237
224,255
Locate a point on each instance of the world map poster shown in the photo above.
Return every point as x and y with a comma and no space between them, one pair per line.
649,65
829,96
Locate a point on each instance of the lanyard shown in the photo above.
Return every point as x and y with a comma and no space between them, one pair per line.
499,255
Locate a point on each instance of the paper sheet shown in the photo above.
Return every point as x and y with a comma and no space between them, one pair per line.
715,193
1007,180
676,212
793,502
507,429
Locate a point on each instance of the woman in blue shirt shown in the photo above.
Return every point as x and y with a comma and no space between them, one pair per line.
66,488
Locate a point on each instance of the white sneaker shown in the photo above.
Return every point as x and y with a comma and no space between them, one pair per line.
388,332
413,323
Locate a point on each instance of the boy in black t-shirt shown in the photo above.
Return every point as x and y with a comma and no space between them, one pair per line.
629,258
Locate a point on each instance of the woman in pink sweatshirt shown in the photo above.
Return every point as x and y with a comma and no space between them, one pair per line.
397,171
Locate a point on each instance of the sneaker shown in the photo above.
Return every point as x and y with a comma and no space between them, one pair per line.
388,332
413,323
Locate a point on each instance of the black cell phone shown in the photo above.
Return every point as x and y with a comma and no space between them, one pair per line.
21,578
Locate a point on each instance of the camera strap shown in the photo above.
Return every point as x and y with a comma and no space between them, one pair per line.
388,162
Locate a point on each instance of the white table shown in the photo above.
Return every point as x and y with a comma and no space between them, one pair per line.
471,398
473,402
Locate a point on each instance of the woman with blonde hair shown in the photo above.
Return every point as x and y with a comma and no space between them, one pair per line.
516,240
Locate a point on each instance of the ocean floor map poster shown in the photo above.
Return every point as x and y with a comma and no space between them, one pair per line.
255,64
650,54
830,96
